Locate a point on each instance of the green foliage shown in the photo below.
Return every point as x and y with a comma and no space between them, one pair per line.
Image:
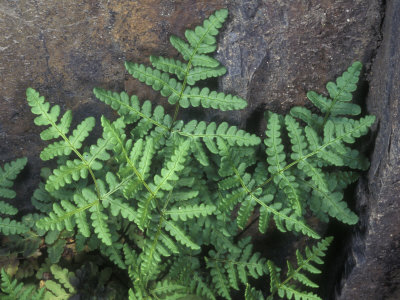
167,201
14,290
8,174
286,288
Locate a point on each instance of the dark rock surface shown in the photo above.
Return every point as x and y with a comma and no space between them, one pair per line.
373,269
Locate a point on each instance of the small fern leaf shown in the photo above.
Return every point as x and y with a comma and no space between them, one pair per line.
7,209
113,252
218,278
252,294
56,250
185,212
345,84
291,292
8,174
74,142
73,170
99,218
9,227
202,73
57,291
180,235
173,166
332,204
63,276
231,134
203,37
326,105
276,159
188,53
169,65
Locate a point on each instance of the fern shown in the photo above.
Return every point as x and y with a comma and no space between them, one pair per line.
286,288
8,174
165,201
14,290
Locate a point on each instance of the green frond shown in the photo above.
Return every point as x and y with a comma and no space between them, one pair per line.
73,170
56,250
164,181
180,235
252,294
8,227
339,108
49,116
276,159
188,212
202,39
211,132
116,205
169,65
345,84
7,209
189,54
202,73
14,290
168,290
74,141
41,199
55,291
332,203
63,276
219,279
113,252
171,88
8,174
285,288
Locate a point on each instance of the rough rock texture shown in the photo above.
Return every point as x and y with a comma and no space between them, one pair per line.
374,265
275,51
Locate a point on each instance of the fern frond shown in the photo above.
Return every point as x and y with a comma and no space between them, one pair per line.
340,94
164,182
13,290
49,116
276,159
8,227
63,276
286,289
8,174
180,235
219,279
74,141
113,252
188,212
168,290
73,170
7,209
171,89
211,132
202,39
129,108
252,294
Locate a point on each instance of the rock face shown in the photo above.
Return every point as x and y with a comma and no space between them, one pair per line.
373,269
274,51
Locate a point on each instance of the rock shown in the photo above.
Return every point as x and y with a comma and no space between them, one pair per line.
373,267
275,51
